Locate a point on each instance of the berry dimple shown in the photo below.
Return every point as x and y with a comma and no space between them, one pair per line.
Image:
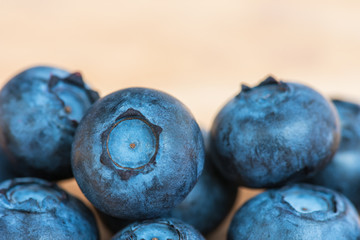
132,143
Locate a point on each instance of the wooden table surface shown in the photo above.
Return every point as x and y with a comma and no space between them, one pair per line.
198,51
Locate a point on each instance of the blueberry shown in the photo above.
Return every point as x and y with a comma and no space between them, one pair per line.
137,153
159,229
204,208
6,171
274,133
32,208
343,172
39,112
209,202
297,212
113,224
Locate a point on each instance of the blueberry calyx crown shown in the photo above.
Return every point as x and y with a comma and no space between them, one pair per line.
268,81
160,229
30,195
75,79
73,94
311,202
131,144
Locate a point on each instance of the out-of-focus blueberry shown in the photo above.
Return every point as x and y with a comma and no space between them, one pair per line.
32,208
298,212
159,229
209,202
113,224
343,172
274,133
137,153
39,112
6,171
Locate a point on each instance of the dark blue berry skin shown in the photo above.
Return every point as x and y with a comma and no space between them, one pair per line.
204,208
113,224
274,133
39,112
343,172
31,208
161,229
6,171
137,153
208,203
297,212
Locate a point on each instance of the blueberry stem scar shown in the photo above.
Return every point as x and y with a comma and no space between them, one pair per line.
133,145
169,228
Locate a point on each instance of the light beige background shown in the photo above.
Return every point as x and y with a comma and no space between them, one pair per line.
198,51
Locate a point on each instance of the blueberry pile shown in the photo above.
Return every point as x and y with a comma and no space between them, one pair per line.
150,173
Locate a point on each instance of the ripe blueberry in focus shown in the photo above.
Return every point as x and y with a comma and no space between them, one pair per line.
209,202
343,172
39,112
274,133
298,212
32,208
137,153
204,208
161,229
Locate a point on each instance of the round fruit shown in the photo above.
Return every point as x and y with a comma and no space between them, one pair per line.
32,208
137,153
162,228
39,112
274,133
209,202
298,212
343,172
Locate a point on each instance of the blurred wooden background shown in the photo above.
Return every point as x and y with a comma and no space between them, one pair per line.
198,51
